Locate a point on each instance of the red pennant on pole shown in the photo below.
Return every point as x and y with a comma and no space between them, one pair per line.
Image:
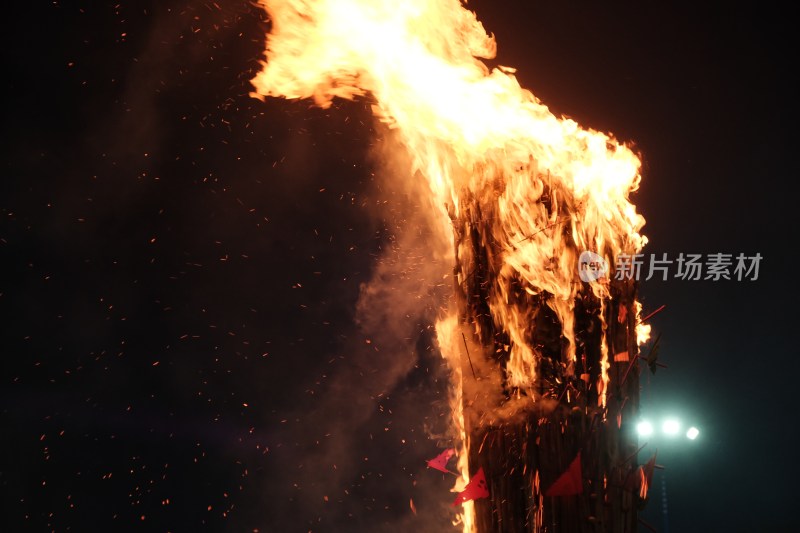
476,488
647,476
440,461
635,479
570,482
641,478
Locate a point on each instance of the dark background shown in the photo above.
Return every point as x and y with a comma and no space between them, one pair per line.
183,263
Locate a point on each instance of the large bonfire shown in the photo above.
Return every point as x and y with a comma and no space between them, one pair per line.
541,356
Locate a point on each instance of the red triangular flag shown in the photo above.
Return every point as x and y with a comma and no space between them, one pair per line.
647,476
570,482
635,479
440,461
640,478
476,488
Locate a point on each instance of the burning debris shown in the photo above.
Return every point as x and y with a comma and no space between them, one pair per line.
543,359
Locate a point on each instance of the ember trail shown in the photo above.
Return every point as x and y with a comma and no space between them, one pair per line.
544,365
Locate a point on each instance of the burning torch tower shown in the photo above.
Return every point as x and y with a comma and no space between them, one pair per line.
558,450
542,339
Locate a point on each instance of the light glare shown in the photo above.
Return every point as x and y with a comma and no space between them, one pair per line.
692,433
671,426
644,428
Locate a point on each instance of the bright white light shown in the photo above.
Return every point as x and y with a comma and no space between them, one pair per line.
644,428
692,433
671,426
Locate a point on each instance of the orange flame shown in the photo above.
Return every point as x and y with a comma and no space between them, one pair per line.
472,133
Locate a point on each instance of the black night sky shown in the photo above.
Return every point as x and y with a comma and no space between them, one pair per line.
180,341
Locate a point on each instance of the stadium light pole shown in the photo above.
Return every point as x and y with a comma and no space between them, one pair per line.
671,428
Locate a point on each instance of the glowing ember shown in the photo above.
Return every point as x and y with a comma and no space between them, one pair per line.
525,191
